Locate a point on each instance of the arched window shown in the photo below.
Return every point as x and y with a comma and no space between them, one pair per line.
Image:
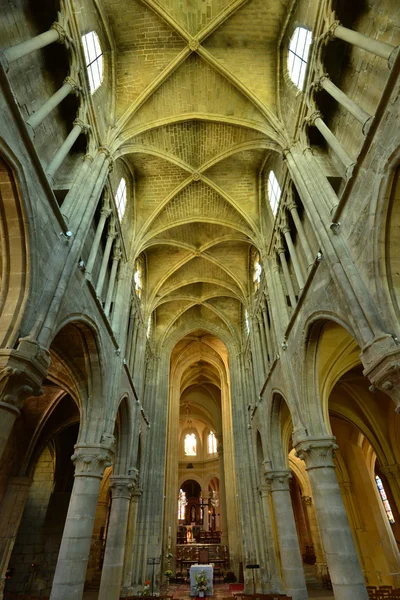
148,331
274,192
94,59
138,279
120,198
211,443
299,48
246,321
257,272
190,444
384,499
182,502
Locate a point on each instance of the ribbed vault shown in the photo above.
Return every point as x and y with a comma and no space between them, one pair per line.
195,120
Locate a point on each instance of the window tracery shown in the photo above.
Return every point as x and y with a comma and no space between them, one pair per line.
94,59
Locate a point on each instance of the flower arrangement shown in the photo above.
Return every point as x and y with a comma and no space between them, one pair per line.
168,573
169,555
146,587
202,582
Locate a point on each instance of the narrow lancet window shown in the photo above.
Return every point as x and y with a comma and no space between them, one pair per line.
274,192
190,444
94,59
120,198
299,48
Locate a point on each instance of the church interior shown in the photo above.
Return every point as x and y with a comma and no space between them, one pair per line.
199,298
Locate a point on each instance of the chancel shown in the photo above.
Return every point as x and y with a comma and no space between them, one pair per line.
199,299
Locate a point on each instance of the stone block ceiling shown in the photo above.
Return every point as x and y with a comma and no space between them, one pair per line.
196,118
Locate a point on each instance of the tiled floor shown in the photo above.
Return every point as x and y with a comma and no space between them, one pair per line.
221,590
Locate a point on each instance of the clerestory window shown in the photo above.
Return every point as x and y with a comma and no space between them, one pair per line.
94,59
212,443
257,272
120,198
138,279
274,192
299,48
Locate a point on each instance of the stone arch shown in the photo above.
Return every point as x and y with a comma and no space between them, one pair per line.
77,345
15,265
385,256
279,430
316,384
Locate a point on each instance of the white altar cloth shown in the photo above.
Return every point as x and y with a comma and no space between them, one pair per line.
194,570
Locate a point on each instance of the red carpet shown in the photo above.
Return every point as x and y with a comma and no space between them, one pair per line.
236,587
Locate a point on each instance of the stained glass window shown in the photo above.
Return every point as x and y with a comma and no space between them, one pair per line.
138,279
182,502
384,499
246,321
190,444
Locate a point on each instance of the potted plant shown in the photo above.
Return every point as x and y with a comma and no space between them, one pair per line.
202,583
146,588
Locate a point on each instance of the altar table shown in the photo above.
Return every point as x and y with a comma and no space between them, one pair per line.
194,570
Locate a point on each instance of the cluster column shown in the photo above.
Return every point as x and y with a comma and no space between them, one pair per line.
222,492
292,566
122,488
341,555
90,461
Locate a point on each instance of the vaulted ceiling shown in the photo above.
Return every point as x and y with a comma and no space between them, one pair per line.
195,119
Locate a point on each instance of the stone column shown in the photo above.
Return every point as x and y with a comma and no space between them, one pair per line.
321,567
359,113
70,85
11,510
106,257
341,555
276,583
69,578
60,155
104,214
205,494
130,539
355,38
292,566
261,330
289,285
270,348
56,33
300,230
316,119
115,262
111,576
222,490
293,256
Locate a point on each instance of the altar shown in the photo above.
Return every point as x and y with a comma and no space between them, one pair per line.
194,570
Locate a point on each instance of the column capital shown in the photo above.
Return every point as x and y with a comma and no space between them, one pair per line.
383,371
76,88
84,126
310,120
318,84
123,486
22,372
61,27
90,460
278,480
317,453
136,494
